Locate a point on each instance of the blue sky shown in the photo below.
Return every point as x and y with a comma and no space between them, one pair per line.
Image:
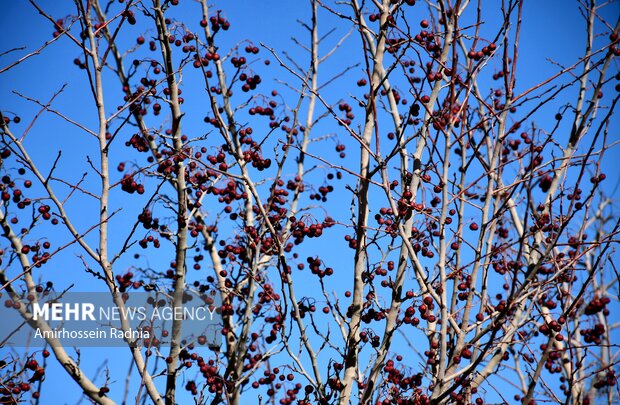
551,31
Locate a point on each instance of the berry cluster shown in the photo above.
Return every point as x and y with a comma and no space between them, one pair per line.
597,305
593,335
129,185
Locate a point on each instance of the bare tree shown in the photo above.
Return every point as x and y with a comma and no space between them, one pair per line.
481,229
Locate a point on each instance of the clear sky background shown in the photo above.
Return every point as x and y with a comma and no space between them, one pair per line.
552,30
